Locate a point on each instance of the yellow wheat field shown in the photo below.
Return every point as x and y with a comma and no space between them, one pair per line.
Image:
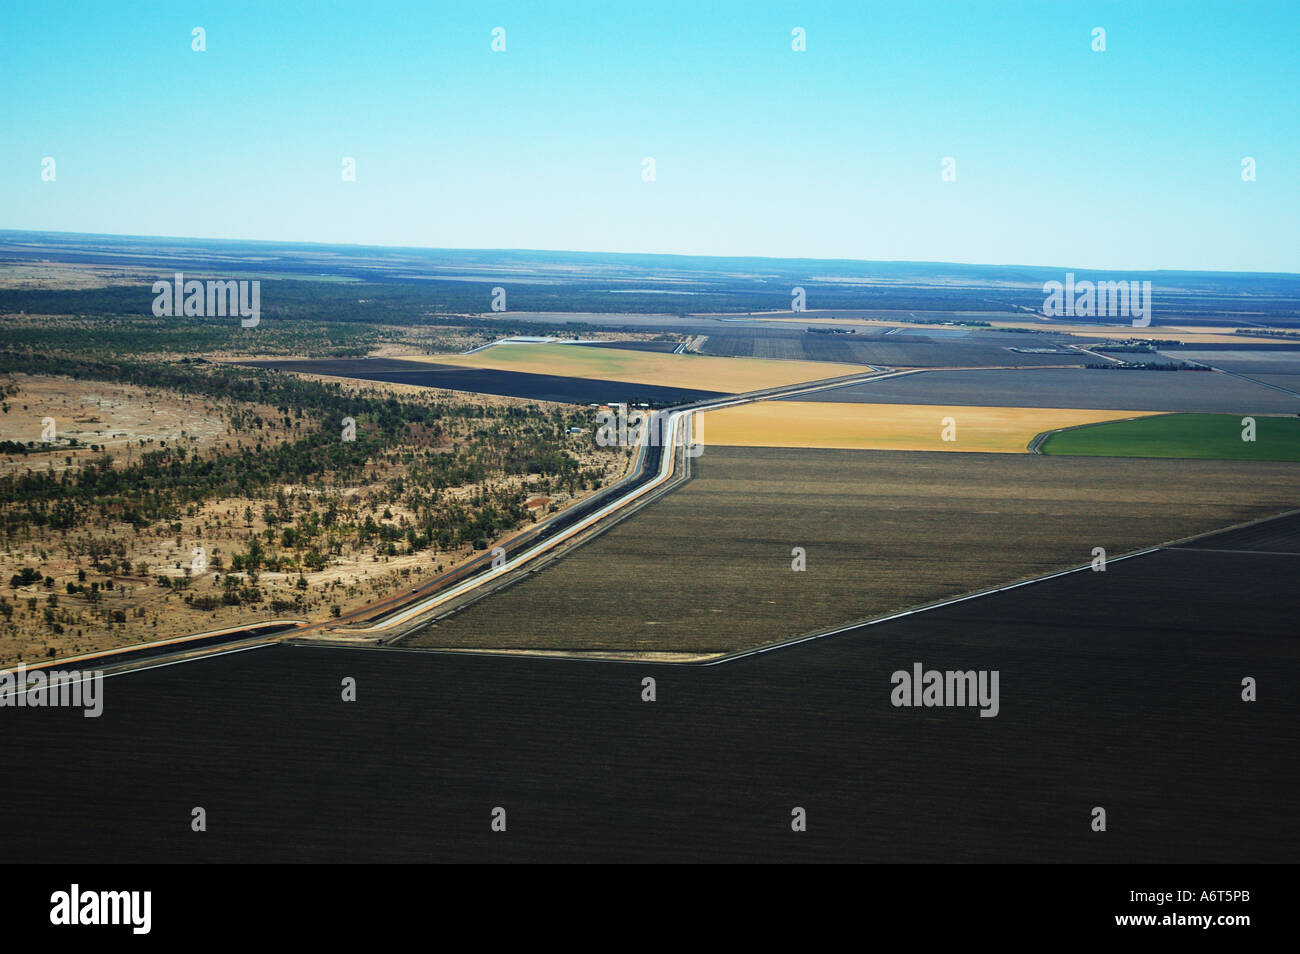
702,372
998,430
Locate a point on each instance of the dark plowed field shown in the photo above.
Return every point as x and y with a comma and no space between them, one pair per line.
538,387
892,350
1280,359
1281,535
1071,387
1118,689
708,568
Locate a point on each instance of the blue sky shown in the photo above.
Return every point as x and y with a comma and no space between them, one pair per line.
1129,158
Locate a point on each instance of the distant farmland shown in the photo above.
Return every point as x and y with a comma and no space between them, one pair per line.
536,387
645,367
898,351
707,569
1196,436
660,347
1073,387
921,427
1278,359
788,345
1211,333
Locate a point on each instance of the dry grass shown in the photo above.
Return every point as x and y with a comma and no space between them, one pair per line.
1000,430
731,375
125,421
60,275
122,420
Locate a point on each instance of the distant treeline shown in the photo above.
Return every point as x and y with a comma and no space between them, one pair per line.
1266,333
409,300
1144,366
105,334
406,303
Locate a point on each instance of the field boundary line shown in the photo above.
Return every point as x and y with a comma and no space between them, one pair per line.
178,641
925,608
1146,551
1035,446
1273,553
161,663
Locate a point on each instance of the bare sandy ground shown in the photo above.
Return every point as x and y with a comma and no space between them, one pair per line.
129,606
120,419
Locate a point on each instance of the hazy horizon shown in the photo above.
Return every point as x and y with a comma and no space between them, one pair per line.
629,254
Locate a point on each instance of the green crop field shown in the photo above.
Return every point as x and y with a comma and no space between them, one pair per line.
1196,436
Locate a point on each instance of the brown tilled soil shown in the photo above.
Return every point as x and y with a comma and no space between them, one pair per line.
708,568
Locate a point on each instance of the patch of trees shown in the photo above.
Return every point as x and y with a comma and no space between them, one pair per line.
1142,366
430,447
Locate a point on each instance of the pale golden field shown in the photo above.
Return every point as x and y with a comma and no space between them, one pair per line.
731,375
913,427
